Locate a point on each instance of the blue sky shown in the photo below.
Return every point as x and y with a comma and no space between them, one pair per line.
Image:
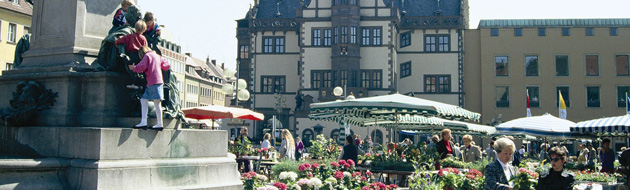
208,27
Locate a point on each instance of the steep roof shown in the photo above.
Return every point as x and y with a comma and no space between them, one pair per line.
287,8
269,8
427,7
509,23
21,6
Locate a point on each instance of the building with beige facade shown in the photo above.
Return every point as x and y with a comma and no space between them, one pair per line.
15,22
586,60
293,53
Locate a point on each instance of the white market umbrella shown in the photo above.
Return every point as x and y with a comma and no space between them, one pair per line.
607,125
545,125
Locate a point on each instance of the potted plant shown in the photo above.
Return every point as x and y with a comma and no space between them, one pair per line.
525,179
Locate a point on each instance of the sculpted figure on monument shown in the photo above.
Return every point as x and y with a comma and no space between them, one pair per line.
113,57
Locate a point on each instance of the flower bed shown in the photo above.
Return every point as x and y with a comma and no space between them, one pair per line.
334,175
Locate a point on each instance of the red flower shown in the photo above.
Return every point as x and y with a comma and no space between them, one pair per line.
315,165
363,178
351,162
368,173
393,186
475,172
355,174
280,185
346,165
365,188
381,185
310,175
342,162
367,154
301,167
335,164
339,174
306,165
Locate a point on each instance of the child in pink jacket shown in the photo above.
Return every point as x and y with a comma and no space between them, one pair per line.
152,65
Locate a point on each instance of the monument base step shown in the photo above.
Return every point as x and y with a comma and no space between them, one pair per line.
216,173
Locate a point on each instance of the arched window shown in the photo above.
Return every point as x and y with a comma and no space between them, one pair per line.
307,136
377,136
334,134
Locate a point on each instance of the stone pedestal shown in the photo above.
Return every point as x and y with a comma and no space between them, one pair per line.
85,140
116,158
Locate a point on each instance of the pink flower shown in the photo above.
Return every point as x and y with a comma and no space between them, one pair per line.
355,174
365,188
339,174
280,185
342,162
315,165
346,165
335,164
381,185
368,173
351,162
310,175
301,168
306,165
363,178
368,154
393,186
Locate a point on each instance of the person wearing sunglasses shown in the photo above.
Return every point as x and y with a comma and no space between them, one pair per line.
557,177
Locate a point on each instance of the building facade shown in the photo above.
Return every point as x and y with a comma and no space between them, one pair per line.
586,60
293,53
172,52
15,21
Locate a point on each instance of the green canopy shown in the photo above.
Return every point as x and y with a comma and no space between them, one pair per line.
388,106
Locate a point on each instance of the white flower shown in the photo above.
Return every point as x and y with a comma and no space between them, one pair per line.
296,187
283,175
267,188
262,177
288,175
315,183
303,181
346,174
292,176
331,180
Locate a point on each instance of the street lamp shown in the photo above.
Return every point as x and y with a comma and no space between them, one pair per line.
241,92
280,104
343,128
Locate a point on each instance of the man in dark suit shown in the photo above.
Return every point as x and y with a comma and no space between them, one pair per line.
499,172
445,147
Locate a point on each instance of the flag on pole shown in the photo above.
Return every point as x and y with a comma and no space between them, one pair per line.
529,112
563,107
627,104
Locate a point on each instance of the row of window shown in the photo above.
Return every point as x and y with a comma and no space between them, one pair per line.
192,89
593,96
191,104
562,65
370,36
12,32
432,42
371,79
589,31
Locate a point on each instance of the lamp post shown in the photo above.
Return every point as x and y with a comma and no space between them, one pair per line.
343,128
240,87
280,103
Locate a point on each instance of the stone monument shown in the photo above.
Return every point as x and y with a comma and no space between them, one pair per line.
85,140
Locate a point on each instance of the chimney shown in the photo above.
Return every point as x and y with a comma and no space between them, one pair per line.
214,62
223,66
208,60
189,54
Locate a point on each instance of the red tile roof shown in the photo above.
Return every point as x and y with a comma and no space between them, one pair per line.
21,7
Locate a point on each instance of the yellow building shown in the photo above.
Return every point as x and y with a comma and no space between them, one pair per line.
585,59
15,21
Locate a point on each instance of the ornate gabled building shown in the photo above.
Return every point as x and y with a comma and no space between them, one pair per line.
294,52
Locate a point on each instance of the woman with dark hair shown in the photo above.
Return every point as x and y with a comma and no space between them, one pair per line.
556,177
